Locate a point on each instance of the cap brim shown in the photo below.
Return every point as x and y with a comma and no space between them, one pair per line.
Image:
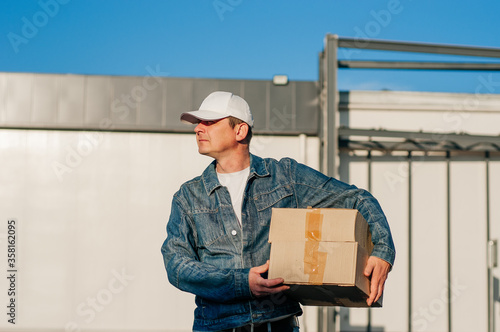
194,117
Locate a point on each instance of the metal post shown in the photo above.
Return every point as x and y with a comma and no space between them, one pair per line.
322,111
322,310
329,153
490,263
326,319
448,232
369,326
331,110
410,271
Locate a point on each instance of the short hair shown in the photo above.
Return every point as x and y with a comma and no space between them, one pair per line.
235,121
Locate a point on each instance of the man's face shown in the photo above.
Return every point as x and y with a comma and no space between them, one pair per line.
215,138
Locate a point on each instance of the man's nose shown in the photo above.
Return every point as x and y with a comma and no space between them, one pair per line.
199,127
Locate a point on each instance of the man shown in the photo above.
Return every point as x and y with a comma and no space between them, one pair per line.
217,245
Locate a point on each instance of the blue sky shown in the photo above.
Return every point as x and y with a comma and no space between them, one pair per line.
242,39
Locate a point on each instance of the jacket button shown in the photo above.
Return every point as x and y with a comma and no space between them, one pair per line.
233,232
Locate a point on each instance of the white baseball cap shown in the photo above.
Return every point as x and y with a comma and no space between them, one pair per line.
220,105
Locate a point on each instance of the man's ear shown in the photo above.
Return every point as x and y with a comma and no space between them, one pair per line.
241,131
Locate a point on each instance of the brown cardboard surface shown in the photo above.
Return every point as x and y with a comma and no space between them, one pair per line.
342,280
343,265
322,254
336,225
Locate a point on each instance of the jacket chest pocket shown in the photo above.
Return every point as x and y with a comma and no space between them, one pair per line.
281,197
213,244
209,228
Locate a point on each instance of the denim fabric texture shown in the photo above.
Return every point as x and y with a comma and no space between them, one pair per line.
209,254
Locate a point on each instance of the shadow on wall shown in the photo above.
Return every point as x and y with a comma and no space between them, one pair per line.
496,289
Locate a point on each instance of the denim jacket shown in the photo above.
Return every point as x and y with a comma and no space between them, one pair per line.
209,254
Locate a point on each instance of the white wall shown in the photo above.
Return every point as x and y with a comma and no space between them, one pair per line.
91,210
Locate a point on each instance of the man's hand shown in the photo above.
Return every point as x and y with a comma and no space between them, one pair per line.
376,269
262,287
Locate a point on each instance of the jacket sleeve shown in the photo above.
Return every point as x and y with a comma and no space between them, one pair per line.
318,190
188,274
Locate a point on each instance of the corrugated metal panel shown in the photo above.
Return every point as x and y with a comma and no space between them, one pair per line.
44,101
71,100
18,97
97,101
146,103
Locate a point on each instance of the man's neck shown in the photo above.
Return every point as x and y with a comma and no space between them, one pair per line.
234,163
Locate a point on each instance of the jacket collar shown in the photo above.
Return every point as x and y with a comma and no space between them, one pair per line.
258,168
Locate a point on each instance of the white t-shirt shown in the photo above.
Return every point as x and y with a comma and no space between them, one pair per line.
235,184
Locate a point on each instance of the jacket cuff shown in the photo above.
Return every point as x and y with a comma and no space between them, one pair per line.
385,253
242,286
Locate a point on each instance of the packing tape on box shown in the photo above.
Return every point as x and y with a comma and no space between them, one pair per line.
314,224
314,260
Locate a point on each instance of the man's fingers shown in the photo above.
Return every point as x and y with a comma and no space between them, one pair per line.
263,290
376,291
380,292
260,286
377,270
373,293
368,269
262,268
269,283
270,286
281,288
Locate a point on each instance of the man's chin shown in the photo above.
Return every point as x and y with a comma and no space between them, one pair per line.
204,153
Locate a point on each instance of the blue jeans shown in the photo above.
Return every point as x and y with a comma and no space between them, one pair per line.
288,324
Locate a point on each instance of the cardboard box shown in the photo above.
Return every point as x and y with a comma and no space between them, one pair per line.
321,254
